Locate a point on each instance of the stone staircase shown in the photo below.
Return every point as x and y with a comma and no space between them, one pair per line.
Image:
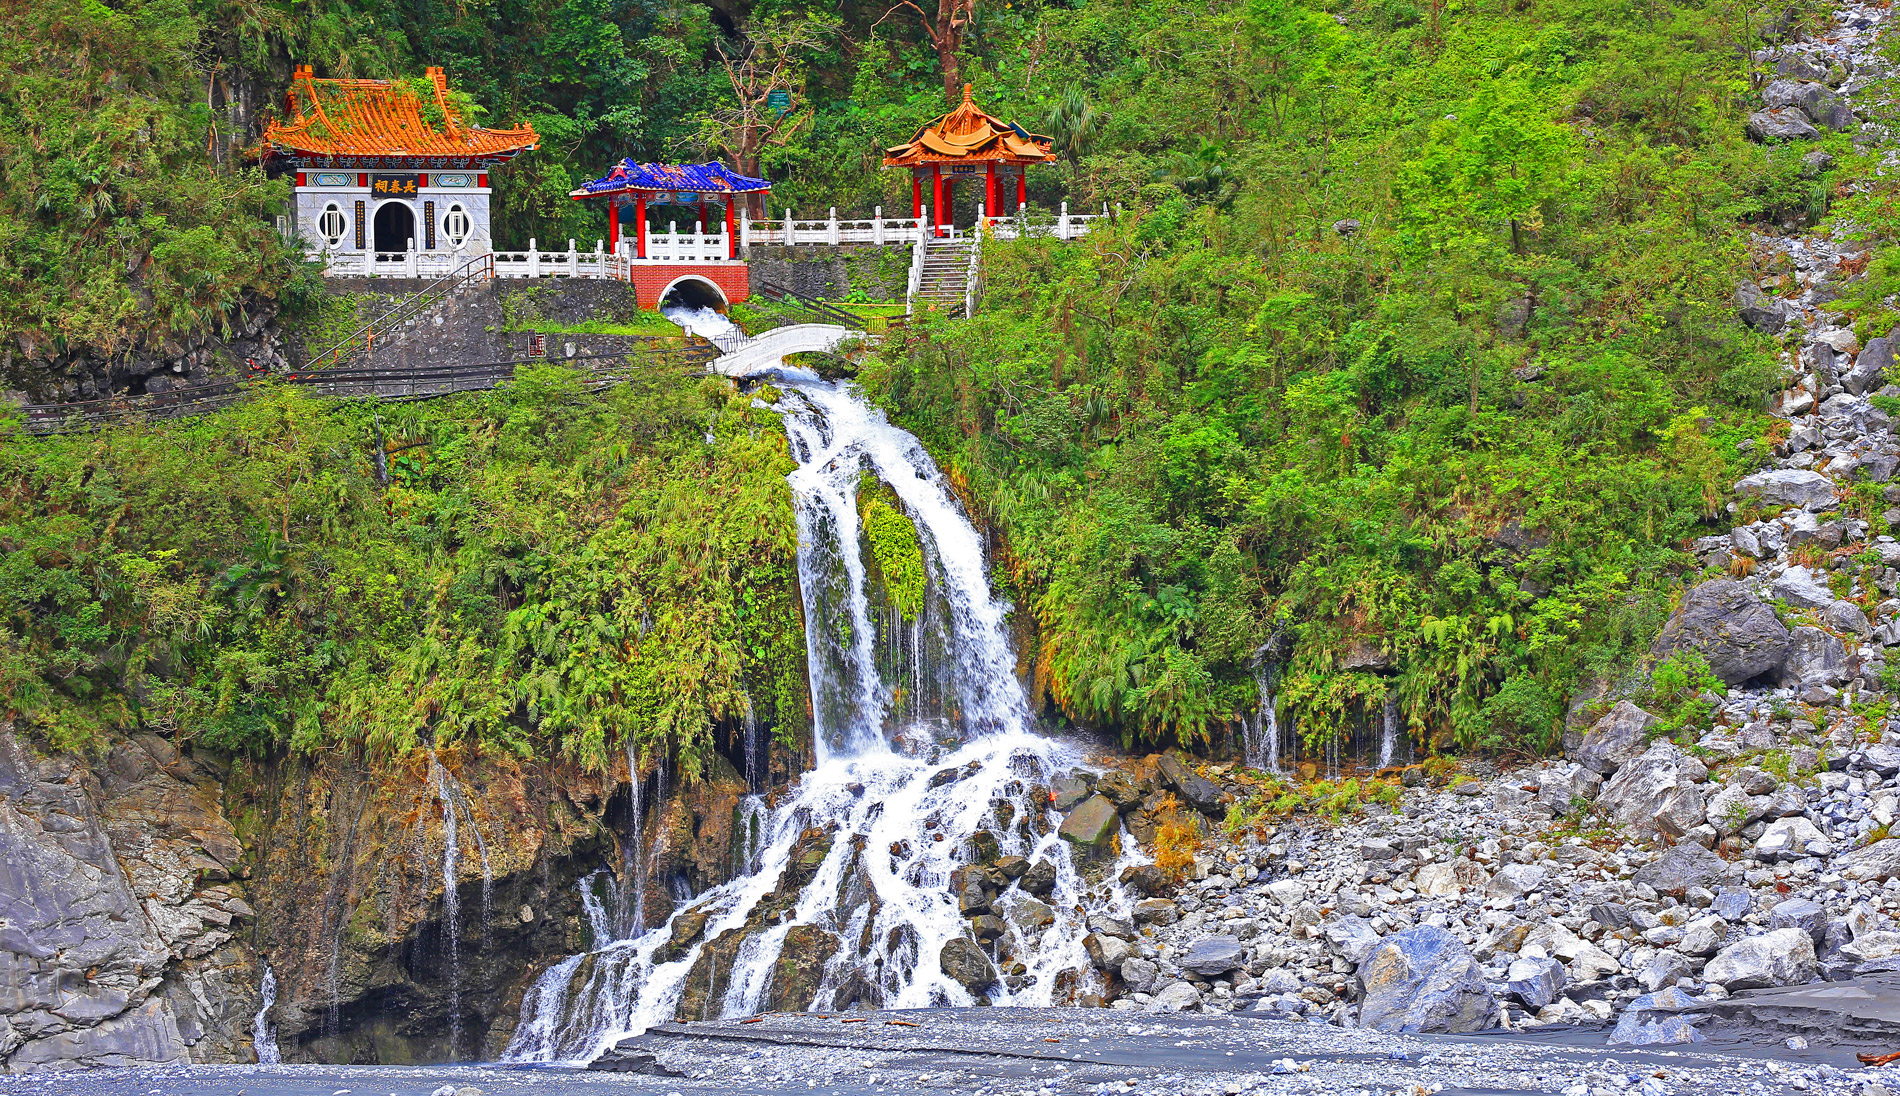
944,285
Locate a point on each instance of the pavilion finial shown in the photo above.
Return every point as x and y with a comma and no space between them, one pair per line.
966,93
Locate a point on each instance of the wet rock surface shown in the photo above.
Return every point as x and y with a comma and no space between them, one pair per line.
1075,1052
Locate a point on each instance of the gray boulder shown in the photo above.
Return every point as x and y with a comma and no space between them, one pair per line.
1651,795
1682,868
1424,980
1138,975
1814,658
1793,838
966,964
1179,997
1801,588
1536,982
1199,792
1799,913
1741,637
1106,952
1351,938
1870,369
1620,735
1213,956
1732,809
1783,124
1815,100
1784,957
1639,1029
1787,487
1092,825
1877,862
1515,881
1764,313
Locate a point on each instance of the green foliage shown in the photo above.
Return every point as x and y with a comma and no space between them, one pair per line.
1447,448
118,232
1676,690
895,549
548,570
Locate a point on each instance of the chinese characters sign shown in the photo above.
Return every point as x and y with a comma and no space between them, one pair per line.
394,186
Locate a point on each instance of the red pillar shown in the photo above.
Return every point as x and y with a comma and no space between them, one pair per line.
917,195
989,189
640,228
732,232
936,197
1022,188
613,226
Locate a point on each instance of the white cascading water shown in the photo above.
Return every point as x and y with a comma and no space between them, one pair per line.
451,899
1389,737
1261,747
263,1036
900,818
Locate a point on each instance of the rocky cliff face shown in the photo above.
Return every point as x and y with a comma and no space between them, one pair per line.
119,920
143,895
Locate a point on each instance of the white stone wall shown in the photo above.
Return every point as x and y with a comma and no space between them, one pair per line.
310,202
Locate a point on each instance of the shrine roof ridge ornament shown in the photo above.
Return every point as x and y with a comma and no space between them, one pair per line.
708,179
968,135
338,118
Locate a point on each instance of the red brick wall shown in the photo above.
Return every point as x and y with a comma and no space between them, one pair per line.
651,279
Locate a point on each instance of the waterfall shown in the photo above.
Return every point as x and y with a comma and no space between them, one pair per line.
1389,738
755,774
857,856
634,883
451,900
1261,733
263,1036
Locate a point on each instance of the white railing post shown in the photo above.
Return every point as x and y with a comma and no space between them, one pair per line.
877,226
409,258
833,225
1062,223
790,236
573,258
745,231
534,258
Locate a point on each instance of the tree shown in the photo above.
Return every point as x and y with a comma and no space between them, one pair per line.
946,37
1075,128
770,59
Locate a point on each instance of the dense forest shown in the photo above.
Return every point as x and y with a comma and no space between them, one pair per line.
1409,367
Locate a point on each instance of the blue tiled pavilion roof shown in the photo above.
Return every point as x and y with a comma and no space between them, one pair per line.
713,178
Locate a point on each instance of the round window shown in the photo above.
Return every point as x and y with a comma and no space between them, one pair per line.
330,225
455,225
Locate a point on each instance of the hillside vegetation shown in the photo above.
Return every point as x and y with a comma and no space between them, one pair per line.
1407,371
545,571
1418,351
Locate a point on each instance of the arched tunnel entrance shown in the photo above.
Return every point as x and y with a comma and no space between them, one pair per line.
694,293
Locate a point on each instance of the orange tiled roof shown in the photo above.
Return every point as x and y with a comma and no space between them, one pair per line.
967,135
383,118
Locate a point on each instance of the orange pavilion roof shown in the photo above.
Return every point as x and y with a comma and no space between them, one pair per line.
967,135
384,118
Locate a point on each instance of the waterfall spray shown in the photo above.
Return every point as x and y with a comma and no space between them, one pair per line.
263,1036
899,792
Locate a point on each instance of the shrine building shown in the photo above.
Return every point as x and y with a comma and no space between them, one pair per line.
968,146
389,179
646,207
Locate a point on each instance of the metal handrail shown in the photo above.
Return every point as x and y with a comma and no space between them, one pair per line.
773,291
61,418
473,272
